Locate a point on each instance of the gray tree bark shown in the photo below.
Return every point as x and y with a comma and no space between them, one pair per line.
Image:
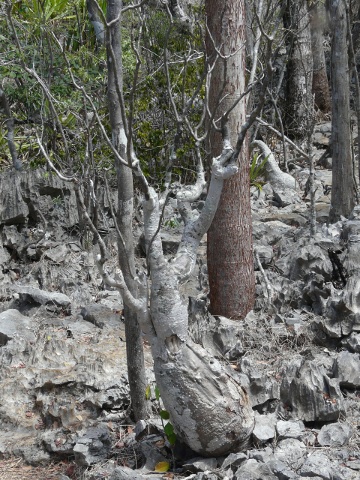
321,87
230,255
208,407
298,95
343,192
96,21
134,347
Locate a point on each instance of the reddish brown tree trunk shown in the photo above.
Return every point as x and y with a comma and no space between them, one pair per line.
230,255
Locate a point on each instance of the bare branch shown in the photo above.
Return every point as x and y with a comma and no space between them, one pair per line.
279,134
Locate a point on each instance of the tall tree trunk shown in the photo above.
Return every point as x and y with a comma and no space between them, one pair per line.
343,192
299,102
230,255
321,88
134,347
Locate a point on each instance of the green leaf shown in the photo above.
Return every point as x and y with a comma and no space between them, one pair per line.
171,438
157,393
168,429
162,467
148,393
164,414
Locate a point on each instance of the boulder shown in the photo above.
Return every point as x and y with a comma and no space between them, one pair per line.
290,429
234,460
43,297
335,435
319,465
307,392
93,447
347,369
264,429
12,322
352,342
253,470
102,316
290,452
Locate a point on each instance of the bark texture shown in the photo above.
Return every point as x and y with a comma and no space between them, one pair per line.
230,256
321,87
343,192
298,92
134,348
96,21
208,407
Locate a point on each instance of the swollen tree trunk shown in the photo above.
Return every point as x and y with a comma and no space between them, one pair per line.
230,255
343,192
321,88
208,407
134,347
299,102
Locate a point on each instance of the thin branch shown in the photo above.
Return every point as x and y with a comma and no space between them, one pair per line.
269,289
279,134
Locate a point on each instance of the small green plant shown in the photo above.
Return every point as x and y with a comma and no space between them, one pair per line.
257,171
164,415
58,201
172,223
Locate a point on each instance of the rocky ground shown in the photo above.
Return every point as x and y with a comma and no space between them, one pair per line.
64,393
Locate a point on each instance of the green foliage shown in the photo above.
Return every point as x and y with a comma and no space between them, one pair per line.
163,414
257,171
38,24
172,223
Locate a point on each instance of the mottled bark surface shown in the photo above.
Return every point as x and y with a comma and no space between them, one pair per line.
230,257
135,356
343,193
208,407
298,92
321,88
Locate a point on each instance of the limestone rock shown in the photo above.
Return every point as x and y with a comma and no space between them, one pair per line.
347,369
12,322
264,427
13,209
352,342
319,465
93,446
290,429
308,393
290,452
253,470
42,297
200,464
233,460
335,435
101,316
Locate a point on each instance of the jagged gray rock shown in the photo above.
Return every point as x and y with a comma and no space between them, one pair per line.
42,297
291,452
12,322
93,447
264,427
347,369
253,470
308,393
318,464
290,429
335,435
